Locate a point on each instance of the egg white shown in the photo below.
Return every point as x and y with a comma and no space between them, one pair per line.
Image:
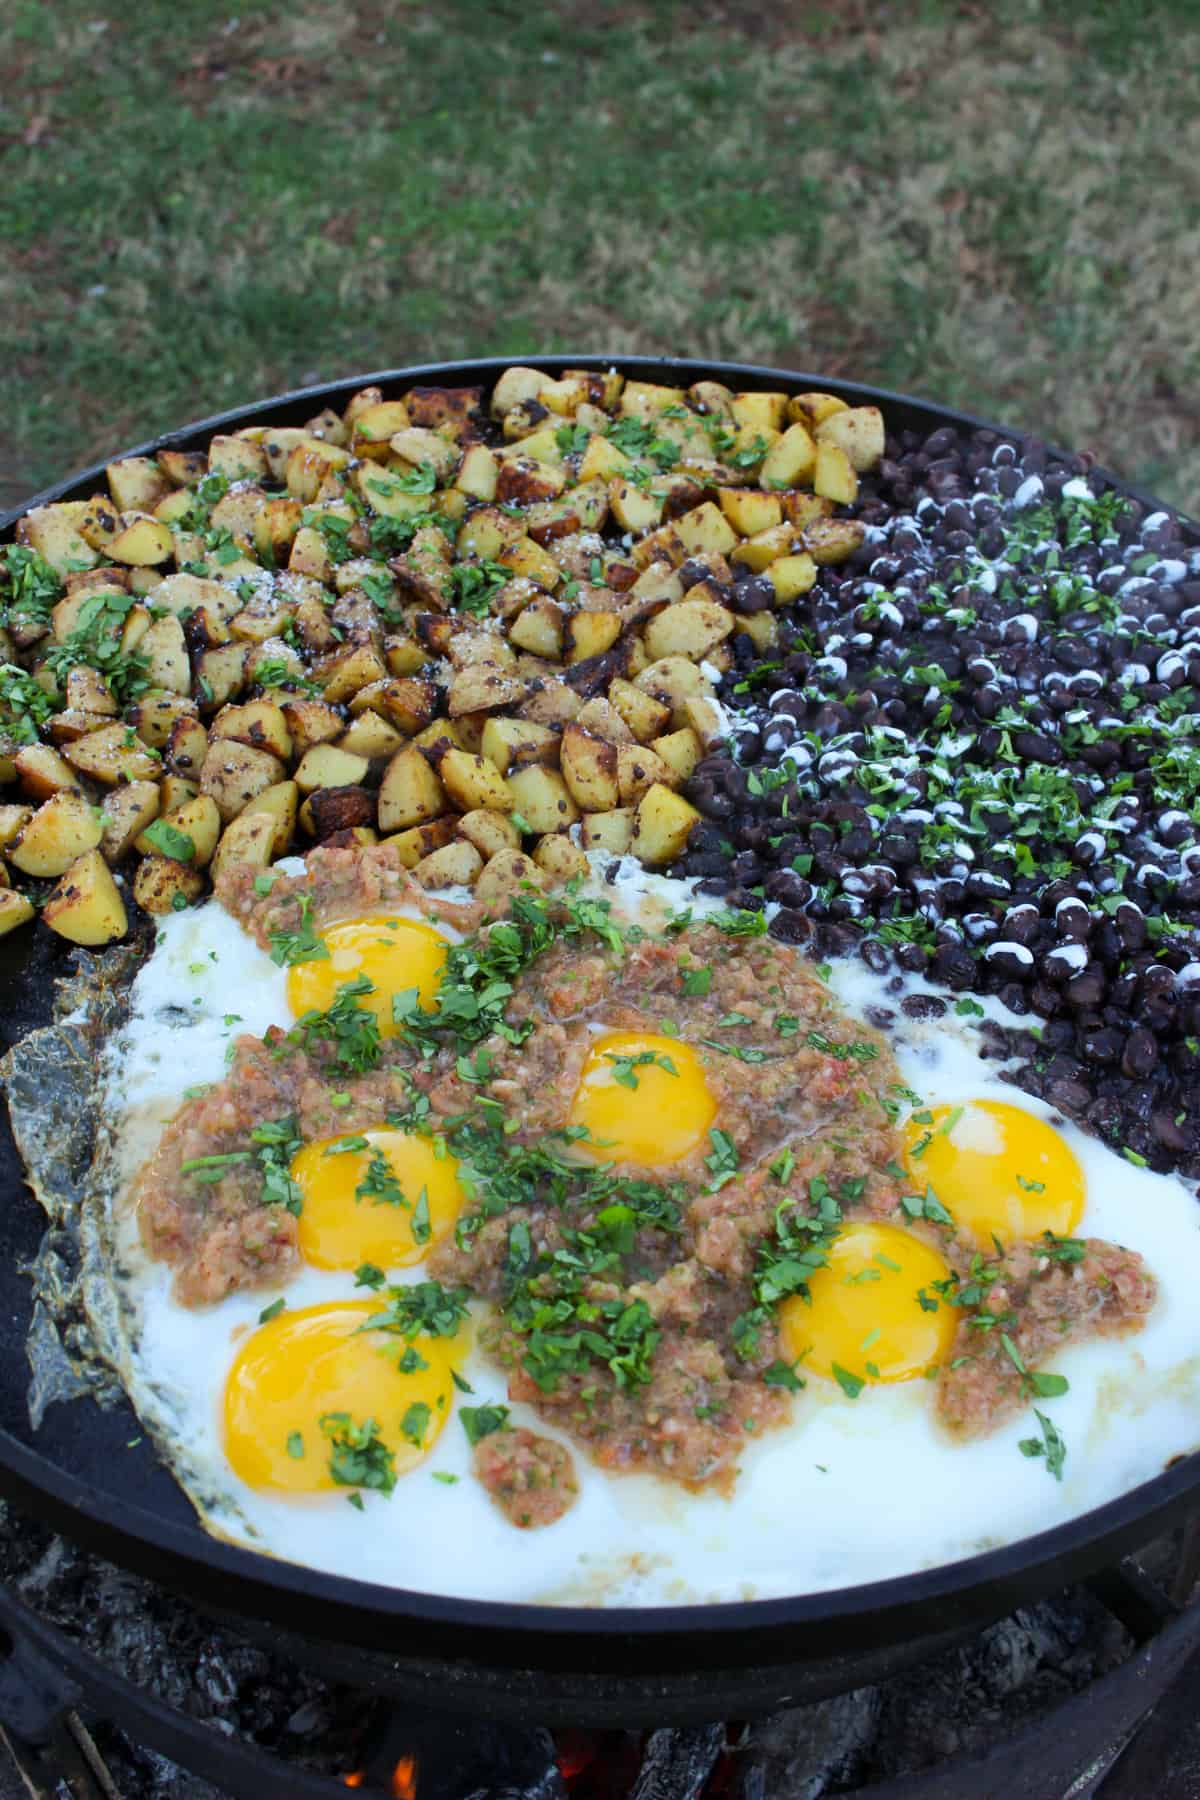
852,1491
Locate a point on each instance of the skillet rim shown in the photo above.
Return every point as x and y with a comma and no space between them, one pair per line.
987,1582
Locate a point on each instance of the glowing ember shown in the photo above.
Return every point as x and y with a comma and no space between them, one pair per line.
355,1780
404,1779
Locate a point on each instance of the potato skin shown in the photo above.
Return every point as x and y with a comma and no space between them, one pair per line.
86,906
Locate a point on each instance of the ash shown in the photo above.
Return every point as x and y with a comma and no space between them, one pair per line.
958,1704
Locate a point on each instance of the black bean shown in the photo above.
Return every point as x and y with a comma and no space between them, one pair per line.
922,1006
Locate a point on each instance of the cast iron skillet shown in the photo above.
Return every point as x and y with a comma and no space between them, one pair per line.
93,1475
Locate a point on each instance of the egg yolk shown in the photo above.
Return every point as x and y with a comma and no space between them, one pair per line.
643,1099
873,1314
382,1196
305,1387
396,955
999,1170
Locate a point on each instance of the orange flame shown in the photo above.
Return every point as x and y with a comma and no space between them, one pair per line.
404,1779
355,1780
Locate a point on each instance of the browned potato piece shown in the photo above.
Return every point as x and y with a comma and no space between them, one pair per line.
112,754
790,576
672,681
325,766
329,811
311,722
707,722
221,673
54,532
559,859
454,865
87,689
692,628
42,771
281,802
834,477
162,884
86,907
749,509
344,672
136,483
421,840
638,768
473,781
489,831
542,798
645,716
553,704
12,818
589,767
237,459
259,723
662,826
706,529
173,791
371,736
60,832
858,430
234,773
603,720
250,838
15,910
508,873
790,459
186,746
127,812
590,634
142,541
833,540
680,750
199,821
538,628
182,468
154,716
410,792
611,831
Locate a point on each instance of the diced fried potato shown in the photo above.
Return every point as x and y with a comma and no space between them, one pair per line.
70,724
12,819
542,798
186,746
100,522
761,412
182,468
680,750
690,628
559,859
672,681
309,555
603,720
487,532
524,481
410,792
330,812
490,832
638,768
221,673
510,872
791,576
276,527
833,540
610,831
417,445
85,907
188,593
834,477
524,557
136,483
112,754
370,735
589,767
512,743
588,634
516,385
749,510
281,803
473,781
60,831
760,552
343,673
705,529
422,840
553,704
813,409
259,723
142,540
455,865
126,813
325,766
538,628
161,884
234,773
478,473
761,628
645,716
173,792
87,689
15,910
482,687
250,838
790,459
662,826
635,509
708,723
198,820
165,649
42,771
237,459
376,425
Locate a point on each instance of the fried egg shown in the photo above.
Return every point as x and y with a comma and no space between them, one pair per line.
257,1405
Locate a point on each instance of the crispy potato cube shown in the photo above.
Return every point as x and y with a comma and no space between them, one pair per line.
490,832
813,409
645,716
481,687
707,722
553,704
259,723
325,766
761,628
333,811
858,430
136,483
542,798
87,689
54,532
758,553
833,540
749,511
705,529
790,459
186,746
559,859
100,522
523,481
221,673
512,743
311,722
370,735
410,792
691,628
662,826
790,576
12,819
250,838
281,803
761,412
234,773
834,477
517,384
538,628
376,425
589,767
588,634
635,509
161,884
15,910
672,681
276,527
603,720
486,533
309,555
638,768
455,865
603,461
60,831
510,872
417,445
524,557
165,648
42,771
343,673
127,812
65,727
142,541
473,781
680,750
478,473
199,820
646,399
422,840
112,754
237,459
182,468
86,907
173,791
609,831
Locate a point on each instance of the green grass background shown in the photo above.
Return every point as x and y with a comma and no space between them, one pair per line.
992,205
